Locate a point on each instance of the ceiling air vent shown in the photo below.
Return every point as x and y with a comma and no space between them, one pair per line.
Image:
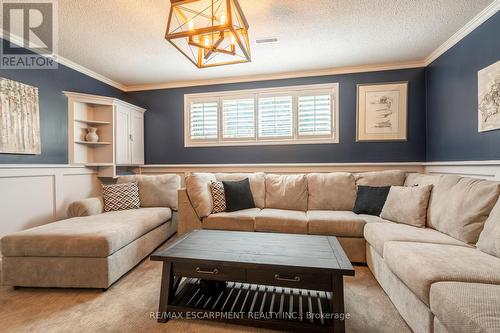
269,40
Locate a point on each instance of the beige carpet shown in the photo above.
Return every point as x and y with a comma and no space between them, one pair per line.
127,307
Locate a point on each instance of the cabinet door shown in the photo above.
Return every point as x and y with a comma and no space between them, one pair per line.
122,135
137,137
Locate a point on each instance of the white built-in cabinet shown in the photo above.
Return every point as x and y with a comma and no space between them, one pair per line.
120,127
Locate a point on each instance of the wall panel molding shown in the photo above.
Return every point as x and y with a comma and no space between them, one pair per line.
477,169
33,195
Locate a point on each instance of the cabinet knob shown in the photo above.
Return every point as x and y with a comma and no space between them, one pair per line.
131,137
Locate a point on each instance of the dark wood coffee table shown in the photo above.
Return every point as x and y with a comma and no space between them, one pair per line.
280,281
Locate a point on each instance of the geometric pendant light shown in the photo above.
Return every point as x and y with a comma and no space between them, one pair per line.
209,32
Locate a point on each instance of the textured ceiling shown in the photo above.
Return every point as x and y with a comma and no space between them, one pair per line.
124,39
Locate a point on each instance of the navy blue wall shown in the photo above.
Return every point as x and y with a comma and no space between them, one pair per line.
53,108
452,122
164,126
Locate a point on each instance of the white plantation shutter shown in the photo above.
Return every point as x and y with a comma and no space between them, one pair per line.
238,118
315,115
288,115
203,120
275,117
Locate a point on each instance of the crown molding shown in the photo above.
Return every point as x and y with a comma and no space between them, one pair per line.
279,76
68,63
470,26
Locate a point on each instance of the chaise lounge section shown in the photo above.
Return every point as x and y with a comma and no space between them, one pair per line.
92,249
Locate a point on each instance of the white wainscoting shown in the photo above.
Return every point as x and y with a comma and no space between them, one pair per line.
478,169
32,195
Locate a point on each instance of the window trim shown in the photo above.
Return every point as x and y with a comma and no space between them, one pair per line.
296,139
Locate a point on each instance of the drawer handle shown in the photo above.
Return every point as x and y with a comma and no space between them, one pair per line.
214,271
279,278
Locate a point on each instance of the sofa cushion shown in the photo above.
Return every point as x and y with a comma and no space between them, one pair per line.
466,307
489,239
156,190
279,220
377,234
381,178
458,206
335,223
218,197
242,220
91,236
373,219
419,265
407,204
257,184
331,191
286,192
198,190
238,195
370,200
120,197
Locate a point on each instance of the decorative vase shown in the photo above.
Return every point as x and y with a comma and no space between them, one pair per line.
92,135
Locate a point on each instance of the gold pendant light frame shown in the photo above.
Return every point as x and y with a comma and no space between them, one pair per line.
209,32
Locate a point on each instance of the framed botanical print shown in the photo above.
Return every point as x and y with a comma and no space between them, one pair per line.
488,81
382,111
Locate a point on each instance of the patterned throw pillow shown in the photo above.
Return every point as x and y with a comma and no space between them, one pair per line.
218,197
120,196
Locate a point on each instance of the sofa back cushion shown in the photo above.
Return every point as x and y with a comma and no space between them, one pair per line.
257,184
200,195
381,178
407,205
156,190
286,192
331,191
458,206
489,239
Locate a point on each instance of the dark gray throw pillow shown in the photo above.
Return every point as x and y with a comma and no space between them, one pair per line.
370,200
238,195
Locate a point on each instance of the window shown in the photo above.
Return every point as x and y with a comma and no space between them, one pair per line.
290,115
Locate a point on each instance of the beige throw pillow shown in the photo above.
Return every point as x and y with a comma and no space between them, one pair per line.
489,239
407,205
156,190
286,192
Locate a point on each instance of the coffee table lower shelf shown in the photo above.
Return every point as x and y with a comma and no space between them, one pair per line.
256,305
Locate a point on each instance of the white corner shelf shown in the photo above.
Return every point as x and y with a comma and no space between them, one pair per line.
104,143
93,122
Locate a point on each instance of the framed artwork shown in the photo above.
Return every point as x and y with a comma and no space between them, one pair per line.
382,111
488,82
19,118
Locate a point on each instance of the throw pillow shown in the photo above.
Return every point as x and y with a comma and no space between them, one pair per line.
407,205
238,195
120,197
370,200
489,239
218,197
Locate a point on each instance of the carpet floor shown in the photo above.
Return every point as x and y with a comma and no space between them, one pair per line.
128,306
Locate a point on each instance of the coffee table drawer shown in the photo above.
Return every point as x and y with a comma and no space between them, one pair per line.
290,279
210,272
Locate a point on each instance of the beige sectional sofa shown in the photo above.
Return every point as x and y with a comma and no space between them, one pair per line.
93,249
435,276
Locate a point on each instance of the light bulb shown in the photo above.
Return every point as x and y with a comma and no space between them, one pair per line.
190,25
207,41
223,19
